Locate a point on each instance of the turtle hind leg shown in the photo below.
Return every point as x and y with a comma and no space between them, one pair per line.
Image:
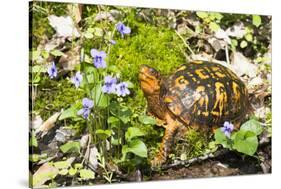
167,142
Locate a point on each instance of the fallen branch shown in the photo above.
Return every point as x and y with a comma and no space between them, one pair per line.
199,159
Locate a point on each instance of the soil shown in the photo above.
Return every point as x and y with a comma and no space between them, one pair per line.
229,164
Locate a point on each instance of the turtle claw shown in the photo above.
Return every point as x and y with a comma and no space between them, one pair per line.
157,162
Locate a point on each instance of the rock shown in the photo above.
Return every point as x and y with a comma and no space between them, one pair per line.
237,30
36,122
70,59
64,26
242,65
63,134
84,141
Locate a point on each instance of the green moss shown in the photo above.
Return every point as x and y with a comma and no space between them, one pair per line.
39,24
158,47
193,144
155,46
52,96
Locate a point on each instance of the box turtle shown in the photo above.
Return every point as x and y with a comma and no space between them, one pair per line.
199,94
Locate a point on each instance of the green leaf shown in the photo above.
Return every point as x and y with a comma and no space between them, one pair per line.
63,172
33,140
39,69
45,173
217,15
133,132
98,32
34,157
136,147
220,138
91,30
123,113
56,52
246,142
147,120
61,164
37,157
234,43
86,174
71,146
243,44
114,122
130,84
101,100
72,171
103,134
252,125
116,141
36,79
69,113
202,14
214,26
89,69
35,55
256,20
249,37
45,54
78,166
88,35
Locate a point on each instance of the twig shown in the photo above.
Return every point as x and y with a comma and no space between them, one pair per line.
227,54
184,42
199,159
195,160
87,150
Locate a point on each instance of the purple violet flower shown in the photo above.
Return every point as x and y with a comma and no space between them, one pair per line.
98,58
227,128
113,42
52,71
87,106
77,79
122,89
123,29
109,86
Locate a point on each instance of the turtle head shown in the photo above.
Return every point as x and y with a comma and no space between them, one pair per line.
149,79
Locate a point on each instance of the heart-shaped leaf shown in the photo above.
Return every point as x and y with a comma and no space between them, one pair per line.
246,142
133,132
252,125
71,146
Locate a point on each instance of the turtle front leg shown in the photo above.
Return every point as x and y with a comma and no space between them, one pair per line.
159,122
167,142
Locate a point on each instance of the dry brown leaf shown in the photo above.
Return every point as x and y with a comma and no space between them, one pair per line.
75,10
103,15
217,44
255,82
49,123
64,26
36,122
221,34
237,30
84,141
262,112
70,59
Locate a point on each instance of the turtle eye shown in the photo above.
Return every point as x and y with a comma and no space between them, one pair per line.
152,71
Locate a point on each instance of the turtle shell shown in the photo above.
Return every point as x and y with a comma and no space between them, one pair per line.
206,93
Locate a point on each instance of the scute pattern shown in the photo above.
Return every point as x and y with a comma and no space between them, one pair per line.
205,92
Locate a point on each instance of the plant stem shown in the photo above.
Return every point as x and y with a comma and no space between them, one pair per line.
184,42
